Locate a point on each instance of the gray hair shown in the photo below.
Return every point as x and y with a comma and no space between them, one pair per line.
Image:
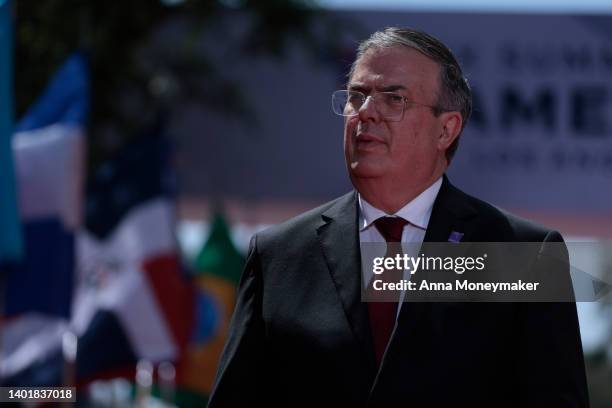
455,93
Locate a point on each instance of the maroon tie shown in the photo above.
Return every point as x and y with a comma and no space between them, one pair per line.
382,314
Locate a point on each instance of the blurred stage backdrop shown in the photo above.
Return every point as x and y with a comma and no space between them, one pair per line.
143,143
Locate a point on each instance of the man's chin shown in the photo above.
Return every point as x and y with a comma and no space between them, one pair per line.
365,169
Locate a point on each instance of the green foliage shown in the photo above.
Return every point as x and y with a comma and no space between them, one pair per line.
139,74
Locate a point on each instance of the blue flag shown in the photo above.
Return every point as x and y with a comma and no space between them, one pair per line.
48,148
64,101
10,233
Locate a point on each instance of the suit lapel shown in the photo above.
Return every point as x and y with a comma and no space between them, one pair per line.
339,237
451,212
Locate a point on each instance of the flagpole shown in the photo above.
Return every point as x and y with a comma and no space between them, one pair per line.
167,382
69,352
144,383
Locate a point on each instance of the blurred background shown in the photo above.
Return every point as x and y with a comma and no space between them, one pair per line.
142,143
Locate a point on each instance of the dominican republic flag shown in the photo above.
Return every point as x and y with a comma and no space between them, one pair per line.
132,301
48,148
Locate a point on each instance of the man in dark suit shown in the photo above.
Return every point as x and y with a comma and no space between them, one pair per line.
301,334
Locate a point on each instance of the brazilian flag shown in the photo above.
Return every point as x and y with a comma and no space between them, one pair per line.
218,268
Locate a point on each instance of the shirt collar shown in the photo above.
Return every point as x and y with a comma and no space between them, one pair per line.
417,211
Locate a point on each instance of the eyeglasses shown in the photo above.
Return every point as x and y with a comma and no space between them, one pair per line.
390,105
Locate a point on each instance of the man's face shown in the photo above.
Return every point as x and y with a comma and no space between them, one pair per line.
405,151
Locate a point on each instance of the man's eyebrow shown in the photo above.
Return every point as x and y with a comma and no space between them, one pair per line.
392,88
357,87
389,88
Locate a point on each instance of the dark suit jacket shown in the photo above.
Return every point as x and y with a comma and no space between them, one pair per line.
300,336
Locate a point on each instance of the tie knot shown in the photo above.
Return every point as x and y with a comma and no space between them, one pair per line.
391,228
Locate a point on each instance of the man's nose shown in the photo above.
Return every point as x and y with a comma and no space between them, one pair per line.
368,111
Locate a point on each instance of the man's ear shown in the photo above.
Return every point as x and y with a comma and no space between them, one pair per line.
451,127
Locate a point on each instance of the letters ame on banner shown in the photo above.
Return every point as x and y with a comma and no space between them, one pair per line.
539,139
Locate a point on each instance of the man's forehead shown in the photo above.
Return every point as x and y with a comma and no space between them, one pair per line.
379,83
365,78
396,67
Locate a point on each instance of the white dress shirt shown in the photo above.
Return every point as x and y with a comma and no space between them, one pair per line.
417,212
